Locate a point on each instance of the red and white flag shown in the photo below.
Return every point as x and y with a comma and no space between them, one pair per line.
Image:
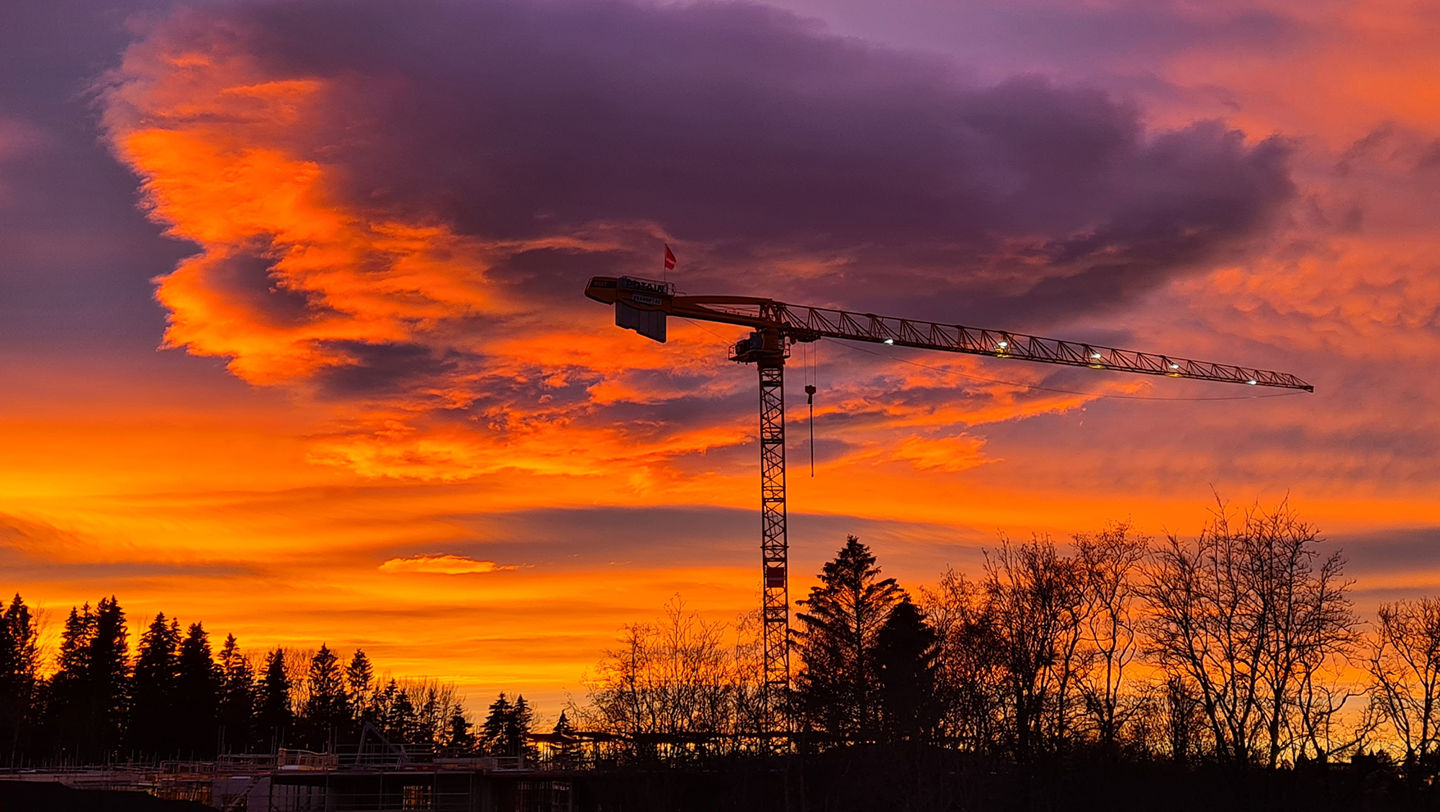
669,258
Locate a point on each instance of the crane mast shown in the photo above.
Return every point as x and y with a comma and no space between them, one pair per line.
643,305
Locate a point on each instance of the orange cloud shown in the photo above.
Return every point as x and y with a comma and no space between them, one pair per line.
442,564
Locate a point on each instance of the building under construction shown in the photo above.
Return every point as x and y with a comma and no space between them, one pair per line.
399,780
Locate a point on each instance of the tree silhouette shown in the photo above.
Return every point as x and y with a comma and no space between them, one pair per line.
905,664
109,672
19,664
237,699
327,708
1404,666
197,689
89,696
152,724
1110,562
517,728
567,750
493,731
458,735
1247,613
360,685
276,717
971,666
1036,597
837,686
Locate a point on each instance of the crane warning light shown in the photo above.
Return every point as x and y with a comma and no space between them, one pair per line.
1096,356
1002,345
1174,366
890,341
1252,382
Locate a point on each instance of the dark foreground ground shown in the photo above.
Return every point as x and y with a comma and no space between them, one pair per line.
35,796
880,779
940,781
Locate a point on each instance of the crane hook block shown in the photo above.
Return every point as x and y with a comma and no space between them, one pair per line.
809,393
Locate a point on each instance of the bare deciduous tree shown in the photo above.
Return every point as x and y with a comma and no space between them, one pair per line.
1110,561
1245,613
1404,665
1036,597
670,679
970,671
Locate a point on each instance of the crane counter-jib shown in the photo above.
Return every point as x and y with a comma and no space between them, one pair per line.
643,305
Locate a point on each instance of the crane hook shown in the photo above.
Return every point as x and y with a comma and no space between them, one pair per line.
810,399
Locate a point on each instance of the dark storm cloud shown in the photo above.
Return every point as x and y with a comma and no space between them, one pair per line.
75,254
380,369
747,131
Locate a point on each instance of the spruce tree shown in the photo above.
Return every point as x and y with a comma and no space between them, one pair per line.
197,689
152,734
275,717
430,722
836,690
905,663
403,725
67,705
459,738
385,710
493,731
19,661
327,709
109,674
360,684
567,751
517,728
237,701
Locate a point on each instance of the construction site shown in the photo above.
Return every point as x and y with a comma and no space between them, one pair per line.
406,780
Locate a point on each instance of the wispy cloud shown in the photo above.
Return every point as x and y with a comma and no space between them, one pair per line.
442,564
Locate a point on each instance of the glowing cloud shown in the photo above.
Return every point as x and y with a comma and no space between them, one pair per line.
442,564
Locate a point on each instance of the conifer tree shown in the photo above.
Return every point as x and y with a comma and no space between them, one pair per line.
275,717
517,728
905,664
108,666
494,729
836,690
153,689
327,707
197,695
459,737
402,724
567,751
385,710
19,661
237,700
67,708
360,684
430,721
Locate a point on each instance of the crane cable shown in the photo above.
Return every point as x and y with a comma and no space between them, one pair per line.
811,379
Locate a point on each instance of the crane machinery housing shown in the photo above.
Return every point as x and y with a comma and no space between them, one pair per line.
643,305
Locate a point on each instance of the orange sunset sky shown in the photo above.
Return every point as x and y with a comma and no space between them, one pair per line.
293,341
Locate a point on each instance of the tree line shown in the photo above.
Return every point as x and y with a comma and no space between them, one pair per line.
1238,647
177,698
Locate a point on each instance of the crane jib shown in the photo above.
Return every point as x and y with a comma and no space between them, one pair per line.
642,305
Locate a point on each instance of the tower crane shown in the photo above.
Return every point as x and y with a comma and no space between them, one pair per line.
643,305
